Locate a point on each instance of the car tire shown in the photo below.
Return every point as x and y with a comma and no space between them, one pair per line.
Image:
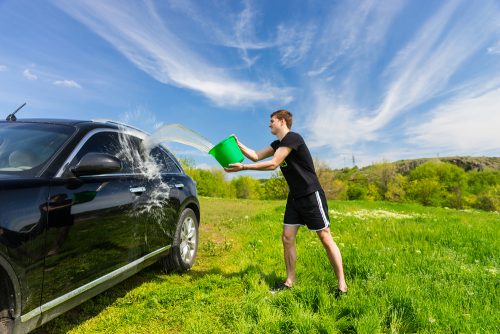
6,323
185,245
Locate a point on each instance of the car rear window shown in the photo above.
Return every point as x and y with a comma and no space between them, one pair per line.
26,147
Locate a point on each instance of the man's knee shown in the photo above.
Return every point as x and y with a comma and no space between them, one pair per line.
288,239
325,236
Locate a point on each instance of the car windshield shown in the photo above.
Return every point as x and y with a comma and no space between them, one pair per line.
26,147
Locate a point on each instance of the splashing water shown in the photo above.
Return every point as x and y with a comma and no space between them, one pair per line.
142,162
179,134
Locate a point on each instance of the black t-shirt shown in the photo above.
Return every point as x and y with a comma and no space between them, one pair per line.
298,167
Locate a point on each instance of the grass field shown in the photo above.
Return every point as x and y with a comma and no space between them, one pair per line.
409,269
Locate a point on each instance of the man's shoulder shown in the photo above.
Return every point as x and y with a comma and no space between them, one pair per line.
293,136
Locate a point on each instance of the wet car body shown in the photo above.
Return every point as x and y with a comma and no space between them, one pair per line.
72,224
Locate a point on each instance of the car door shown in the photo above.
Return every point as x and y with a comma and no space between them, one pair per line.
94,226
161,222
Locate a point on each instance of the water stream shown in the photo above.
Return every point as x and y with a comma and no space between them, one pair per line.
179,134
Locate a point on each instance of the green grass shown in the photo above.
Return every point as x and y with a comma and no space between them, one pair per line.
409,269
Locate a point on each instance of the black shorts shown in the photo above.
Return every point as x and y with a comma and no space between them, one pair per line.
310,210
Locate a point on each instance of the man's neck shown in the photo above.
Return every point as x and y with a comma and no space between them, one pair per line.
282,133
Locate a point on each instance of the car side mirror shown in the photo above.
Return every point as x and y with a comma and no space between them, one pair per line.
97,163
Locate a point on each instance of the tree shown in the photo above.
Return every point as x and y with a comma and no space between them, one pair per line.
339,190
211,183
396,188
489,199
276,187
479,181
326,177
373,192
246,187
426,191
380,175
356,191
447,182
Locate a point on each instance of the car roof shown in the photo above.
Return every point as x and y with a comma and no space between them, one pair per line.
87,124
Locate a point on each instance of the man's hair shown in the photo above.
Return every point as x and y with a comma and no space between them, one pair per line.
284,114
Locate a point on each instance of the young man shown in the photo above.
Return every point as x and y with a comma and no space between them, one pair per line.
306,204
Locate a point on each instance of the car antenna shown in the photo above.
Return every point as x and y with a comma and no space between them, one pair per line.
12,117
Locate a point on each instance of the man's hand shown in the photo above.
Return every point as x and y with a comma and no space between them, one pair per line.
234,167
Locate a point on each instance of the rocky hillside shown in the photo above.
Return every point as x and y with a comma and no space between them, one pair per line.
466,163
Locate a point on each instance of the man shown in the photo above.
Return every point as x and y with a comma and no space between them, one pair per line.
306,204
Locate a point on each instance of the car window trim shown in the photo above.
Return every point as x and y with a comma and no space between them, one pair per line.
171,157
84,140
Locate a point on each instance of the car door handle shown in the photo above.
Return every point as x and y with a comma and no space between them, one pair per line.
179,185
137,190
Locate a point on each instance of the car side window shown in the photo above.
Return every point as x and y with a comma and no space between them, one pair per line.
166,163
122,146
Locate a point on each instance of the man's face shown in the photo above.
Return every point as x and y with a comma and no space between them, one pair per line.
275,124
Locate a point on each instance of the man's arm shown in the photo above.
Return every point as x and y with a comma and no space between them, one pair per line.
255,155
278,157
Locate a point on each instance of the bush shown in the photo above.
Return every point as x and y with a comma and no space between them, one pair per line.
356,191
438,183
246,187
426,191
479,181
338,190
381,174
211,183
489,200
396,189
373,192
276,187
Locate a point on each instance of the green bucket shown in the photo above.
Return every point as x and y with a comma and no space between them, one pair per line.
227,152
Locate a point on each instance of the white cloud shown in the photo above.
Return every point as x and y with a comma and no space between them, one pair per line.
334,124
294,43
353,34
67,83
420,72
468,125
422,69
136,30
3,68
495,49
29,75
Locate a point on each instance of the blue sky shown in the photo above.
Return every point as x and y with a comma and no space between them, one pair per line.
374,80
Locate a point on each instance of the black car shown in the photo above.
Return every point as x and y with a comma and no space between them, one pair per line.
83,206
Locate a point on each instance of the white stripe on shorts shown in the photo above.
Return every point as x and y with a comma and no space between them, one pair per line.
318,198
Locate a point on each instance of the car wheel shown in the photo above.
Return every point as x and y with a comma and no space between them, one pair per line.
185,245
6,323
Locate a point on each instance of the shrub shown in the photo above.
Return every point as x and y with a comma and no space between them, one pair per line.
276,187
479,181
489,200
438,183
246,187
427,191
211,183
381,174
339,190
373,192
356,191
396,189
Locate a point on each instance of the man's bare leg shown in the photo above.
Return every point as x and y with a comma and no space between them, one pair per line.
334,256
288,238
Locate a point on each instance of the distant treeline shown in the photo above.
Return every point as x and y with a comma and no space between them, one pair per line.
431,183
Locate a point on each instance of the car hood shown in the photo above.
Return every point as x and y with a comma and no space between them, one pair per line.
9,176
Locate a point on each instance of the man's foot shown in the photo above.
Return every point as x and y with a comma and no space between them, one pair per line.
340,293
280,287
